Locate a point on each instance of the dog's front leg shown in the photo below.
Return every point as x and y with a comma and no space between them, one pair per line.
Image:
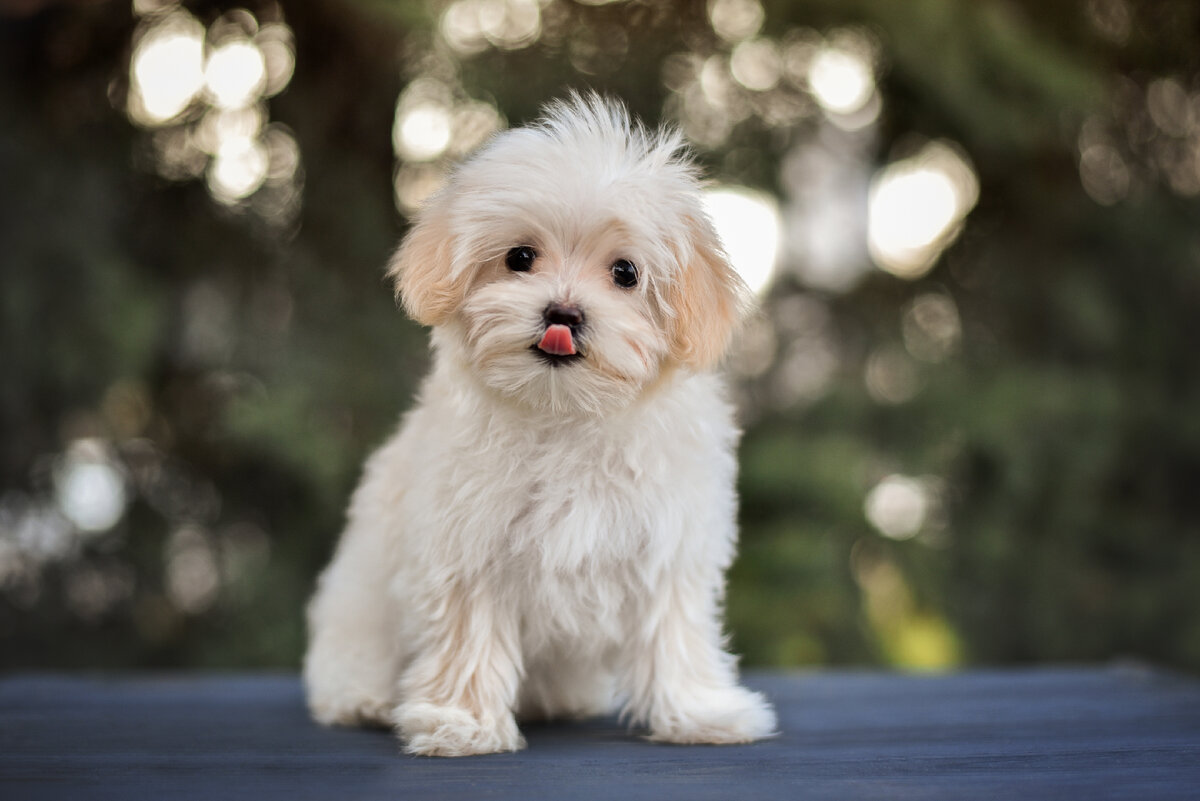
459,691
682,682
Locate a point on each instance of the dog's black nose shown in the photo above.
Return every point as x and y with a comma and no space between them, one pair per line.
563,314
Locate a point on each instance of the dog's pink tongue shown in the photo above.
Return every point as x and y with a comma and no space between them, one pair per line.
557,341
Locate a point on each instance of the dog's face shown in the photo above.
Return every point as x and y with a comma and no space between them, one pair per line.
570,263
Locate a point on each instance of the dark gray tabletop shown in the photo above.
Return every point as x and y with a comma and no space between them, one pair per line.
1127,733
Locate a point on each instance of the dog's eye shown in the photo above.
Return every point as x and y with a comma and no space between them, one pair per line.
520,259
624,274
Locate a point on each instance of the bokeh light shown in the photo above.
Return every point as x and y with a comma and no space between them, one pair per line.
238,168
469,26
89,486
931,327
1150,134
826,181
735,20
422,130
192,577
914,638
473,123
414,184
890,375
915,208
432,120
755,64
1103,171
434,124
275,42
748,224
235,74
808,365
841,79
167,68
217,127
224,90
1112,19
898,506
32,533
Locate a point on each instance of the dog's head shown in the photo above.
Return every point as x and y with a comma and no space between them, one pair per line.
570,262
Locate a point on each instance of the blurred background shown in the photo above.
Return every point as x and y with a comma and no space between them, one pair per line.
971,398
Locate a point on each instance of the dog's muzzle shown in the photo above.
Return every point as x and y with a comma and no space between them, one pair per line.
563,322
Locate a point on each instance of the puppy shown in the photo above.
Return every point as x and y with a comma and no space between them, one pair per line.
547,533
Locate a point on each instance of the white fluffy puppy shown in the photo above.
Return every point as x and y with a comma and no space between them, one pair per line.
547,533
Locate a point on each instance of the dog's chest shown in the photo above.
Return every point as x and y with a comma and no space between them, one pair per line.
583,503
568,503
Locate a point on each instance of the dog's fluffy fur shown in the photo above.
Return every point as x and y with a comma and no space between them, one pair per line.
547,536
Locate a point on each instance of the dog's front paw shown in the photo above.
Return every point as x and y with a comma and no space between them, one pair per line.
734,715
352,712
432,730
342,707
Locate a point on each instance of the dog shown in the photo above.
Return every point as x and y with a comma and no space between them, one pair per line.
547,534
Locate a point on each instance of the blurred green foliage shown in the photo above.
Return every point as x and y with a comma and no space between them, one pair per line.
236,368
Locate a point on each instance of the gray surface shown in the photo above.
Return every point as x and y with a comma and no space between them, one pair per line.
1044,733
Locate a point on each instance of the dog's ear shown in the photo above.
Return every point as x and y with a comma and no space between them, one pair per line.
708,299
422,267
